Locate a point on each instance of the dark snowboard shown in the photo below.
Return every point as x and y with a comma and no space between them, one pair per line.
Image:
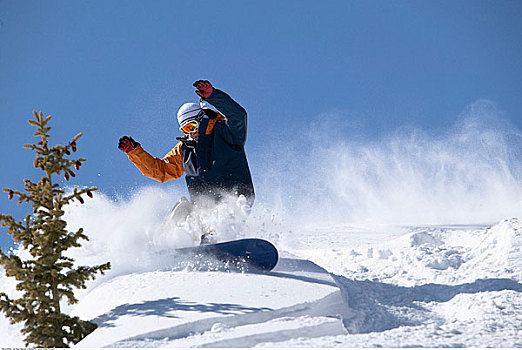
243,254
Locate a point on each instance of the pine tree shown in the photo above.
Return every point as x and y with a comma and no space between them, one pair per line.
48,276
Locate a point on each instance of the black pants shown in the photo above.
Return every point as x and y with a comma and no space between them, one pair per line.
208,195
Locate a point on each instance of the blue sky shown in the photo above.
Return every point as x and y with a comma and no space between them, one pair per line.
113,68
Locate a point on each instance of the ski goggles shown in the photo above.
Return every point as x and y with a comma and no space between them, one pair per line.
192,125
189,127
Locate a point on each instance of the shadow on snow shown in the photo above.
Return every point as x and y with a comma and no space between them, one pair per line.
380,306
372,306
167,308
375,306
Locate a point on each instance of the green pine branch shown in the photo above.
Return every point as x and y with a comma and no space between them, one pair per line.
49,276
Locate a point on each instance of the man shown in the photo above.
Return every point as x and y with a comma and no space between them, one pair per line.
210,153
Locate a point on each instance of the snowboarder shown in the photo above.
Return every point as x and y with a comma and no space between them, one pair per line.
210,153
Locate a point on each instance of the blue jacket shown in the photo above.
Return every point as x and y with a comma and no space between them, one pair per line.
213,164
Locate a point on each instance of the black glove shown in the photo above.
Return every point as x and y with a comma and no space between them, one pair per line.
127,144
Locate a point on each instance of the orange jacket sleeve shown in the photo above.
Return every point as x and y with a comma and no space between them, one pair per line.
167,168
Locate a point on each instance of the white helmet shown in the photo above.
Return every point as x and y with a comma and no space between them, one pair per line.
189,111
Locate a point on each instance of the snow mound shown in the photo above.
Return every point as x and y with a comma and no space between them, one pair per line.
436,254
484,319
181,308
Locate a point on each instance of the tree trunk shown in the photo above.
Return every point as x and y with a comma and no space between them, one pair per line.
56,297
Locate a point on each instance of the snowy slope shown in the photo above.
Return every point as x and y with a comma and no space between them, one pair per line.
335,285
182,308
428,286
418,286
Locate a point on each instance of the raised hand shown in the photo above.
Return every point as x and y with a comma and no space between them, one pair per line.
204,88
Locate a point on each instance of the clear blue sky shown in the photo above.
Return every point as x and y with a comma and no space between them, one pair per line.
113,68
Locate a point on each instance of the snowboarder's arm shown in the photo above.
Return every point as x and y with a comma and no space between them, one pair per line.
168,168
235,114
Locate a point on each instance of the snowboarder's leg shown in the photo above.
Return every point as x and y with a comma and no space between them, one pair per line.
182,209
232,210
188,215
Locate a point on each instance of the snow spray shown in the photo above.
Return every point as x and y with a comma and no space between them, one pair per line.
132,234
469,173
